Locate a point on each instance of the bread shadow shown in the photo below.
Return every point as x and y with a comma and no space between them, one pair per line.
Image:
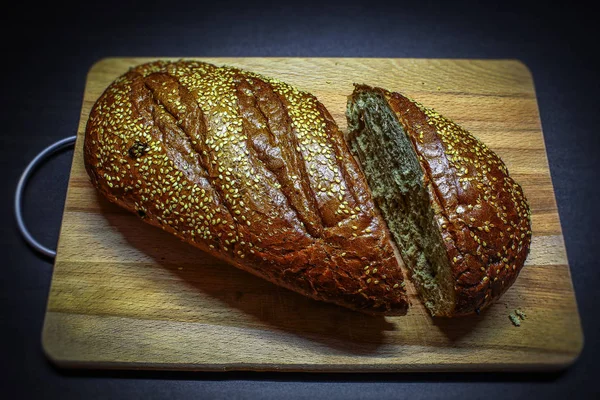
265,305
455,329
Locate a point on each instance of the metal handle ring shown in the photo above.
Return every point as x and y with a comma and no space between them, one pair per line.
43,155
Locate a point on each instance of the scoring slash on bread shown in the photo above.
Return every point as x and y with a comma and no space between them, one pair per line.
257,173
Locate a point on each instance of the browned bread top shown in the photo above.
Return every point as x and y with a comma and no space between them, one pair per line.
249,169
481,211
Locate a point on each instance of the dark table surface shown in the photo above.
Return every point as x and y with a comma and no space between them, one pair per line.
48,51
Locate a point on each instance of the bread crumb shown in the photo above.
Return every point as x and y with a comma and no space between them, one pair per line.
180,268
514,319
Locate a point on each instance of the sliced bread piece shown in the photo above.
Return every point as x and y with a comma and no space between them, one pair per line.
462,224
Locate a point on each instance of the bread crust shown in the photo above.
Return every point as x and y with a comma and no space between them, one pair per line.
248,169
482,213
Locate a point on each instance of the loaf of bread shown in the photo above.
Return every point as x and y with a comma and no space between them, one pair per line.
461,222
250,170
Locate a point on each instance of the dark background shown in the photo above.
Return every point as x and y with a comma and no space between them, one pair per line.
48,50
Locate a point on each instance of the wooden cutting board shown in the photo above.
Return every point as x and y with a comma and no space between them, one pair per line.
127,295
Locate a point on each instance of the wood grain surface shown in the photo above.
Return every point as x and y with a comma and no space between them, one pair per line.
128,295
